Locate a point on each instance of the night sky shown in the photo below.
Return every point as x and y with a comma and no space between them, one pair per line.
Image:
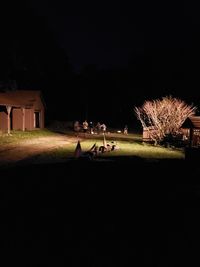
98,59
99,33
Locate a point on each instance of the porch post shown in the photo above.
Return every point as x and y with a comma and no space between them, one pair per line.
8,118
191,137
23,119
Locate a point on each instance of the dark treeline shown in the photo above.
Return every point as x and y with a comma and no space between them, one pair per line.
31,56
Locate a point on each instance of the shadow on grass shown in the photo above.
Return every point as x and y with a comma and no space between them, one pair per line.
91,209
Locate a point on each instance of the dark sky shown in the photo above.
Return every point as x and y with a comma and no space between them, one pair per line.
125,51
103,33
112,33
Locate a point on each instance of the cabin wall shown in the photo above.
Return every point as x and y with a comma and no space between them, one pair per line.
3,121
42,118
29,119
17,119
196,138
147,132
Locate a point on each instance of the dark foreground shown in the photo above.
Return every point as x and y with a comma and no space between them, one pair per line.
115,213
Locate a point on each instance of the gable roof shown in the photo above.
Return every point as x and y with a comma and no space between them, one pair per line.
20,98
192,122
195,121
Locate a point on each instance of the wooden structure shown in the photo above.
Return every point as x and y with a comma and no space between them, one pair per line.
147,132
191,129
189,132
21,110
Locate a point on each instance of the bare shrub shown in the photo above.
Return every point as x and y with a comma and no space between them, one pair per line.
162,117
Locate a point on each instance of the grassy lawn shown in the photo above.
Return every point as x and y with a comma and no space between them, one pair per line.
18,136
128,145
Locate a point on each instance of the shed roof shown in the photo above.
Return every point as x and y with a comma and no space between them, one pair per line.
195,121
192,122
19,98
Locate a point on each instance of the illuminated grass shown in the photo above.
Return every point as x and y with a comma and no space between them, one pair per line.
133,146
17,136
126,148
36,146
109,136
145,151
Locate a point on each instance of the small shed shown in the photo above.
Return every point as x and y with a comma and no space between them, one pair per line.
21,110
147,134
191,128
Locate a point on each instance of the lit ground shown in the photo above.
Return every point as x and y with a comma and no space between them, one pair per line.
46,146
35,146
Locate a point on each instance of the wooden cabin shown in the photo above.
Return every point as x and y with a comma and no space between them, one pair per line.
21,110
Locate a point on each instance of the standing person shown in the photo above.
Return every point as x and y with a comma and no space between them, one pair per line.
103,128
77,126
91,128
85,126
126,129
98,127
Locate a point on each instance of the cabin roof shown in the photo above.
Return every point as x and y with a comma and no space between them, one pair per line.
19,98
192,122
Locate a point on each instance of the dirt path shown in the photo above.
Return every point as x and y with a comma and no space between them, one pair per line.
29,148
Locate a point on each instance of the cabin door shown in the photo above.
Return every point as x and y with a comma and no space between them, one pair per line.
36,119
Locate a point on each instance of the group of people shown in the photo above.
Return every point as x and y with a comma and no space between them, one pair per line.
89,127
93,129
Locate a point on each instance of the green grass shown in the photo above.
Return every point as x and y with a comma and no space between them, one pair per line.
132,145
129,145
126,148
109,136
145,151
17,136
